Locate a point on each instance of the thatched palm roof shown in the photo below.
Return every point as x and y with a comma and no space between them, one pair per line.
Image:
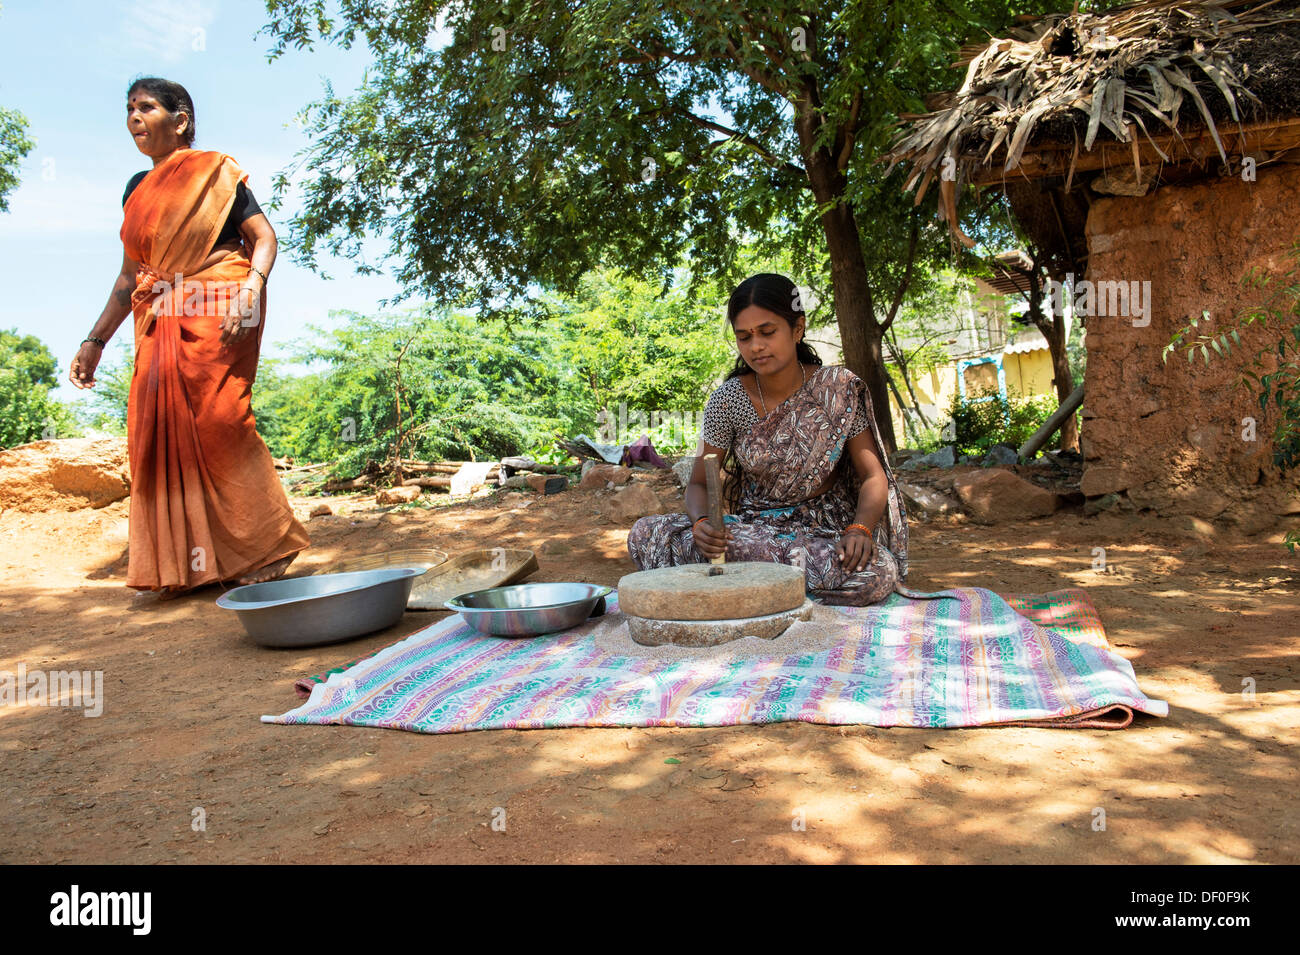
1058,93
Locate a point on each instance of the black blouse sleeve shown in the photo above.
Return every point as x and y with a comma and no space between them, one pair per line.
132,183
245,206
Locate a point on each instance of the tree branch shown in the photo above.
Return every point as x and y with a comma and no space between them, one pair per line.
848,133
907,272
773,160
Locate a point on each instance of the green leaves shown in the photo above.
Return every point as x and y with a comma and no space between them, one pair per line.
27,411
486,389
14,145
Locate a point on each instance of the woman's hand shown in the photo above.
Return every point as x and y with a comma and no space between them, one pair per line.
84,364
855,548
241,315
709,542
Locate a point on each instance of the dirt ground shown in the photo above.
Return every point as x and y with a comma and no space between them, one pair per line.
1215,782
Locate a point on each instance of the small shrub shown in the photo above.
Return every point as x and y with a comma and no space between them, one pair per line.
980,424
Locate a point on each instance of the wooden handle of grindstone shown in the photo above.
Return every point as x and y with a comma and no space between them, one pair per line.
713,481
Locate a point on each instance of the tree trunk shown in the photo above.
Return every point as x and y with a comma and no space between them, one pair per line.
907,431
1053,329
1064,382
860,332
897,354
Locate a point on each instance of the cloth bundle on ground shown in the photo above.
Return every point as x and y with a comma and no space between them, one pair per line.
969,661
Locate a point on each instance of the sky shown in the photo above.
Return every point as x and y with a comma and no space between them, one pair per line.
66,65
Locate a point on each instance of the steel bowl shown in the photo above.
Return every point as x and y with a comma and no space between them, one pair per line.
530,610
326,608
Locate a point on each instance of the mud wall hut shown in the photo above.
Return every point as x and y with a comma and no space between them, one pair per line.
1152,153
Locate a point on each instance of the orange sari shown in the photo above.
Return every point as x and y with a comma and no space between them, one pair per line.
206,504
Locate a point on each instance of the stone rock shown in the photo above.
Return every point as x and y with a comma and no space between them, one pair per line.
601,475
996,495
397,495
1050,459
1207,502
1001,455
1154,495
1098,504
548,483
516,481
932,503
902,455
320,510
709,633
1290,504
943,458
683,469
743,589
1186,525
1097,481
969,459
64,474
1250,519
628,503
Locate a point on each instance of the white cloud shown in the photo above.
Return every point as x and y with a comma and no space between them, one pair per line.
167,29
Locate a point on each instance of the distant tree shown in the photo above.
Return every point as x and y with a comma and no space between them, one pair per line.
28,370
461,390
14,145
103,408
916,341
633,345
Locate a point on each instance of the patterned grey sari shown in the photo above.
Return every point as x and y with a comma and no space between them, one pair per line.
783,459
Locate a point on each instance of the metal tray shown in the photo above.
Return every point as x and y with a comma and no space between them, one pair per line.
325,608
530,610
471,571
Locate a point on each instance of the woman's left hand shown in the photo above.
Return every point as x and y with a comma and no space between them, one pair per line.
241,315
855,549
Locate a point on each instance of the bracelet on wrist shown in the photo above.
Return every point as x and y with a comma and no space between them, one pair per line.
862,527
259,272
94,341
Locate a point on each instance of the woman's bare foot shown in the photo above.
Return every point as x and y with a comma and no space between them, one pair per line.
271,571
147,598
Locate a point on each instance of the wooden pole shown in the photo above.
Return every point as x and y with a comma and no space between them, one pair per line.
1040,437
713,481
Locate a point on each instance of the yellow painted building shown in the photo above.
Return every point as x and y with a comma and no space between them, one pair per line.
983,357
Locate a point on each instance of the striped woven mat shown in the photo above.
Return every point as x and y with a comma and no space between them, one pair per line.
978,660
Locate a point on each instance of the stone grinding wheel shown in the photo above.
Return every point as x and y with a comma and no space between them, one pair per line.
691,592
707,604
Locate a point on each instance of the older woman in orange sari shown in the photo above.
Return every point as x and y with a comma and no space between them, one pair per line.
206,504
